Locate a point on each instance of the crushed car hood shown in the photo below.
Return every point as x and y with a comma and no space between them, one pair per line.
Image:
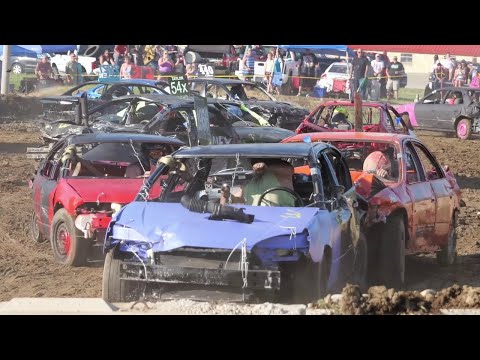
262,134
168,226
120,190
277,106
58,129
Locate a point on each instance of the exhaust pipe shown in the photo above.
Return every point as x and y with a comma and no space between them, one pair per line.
219,212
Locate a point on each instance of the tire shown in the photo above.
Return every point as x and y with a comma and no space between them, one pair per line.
391,260
306,281
17,68
68,244
360,266
35,234
91,50
447,256
321,273
464,129
114,289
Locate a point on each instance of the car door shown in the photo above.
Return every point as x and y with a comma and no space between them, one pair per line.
221,129
426,109
423,201
43,186
447,111
341,200
442,190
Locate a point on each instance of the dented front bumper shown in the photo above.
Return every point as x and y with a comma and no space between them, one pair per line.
170,274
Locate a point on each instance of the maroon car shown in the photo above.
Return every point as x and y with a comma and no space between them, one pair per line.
412,202
340,116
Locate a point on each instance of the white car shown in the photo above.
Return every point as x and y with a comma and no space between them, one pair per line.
336,71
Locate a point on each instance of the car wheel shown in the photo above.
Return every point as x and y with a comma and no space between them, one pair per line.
68,244
91,50
360,264
448,254
464,129
321,273
17,68
392,252
113,288
35,233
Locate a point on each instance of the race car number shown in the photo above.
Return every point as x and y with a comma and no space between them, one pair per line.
205,70
178,85
142,72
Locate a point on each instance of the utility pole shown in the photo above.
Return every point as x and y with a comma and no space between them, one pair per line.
5,70
358,112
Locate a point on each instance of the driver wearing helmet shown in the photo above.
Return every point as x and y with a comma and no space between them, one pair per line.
150,153
377,163
268,173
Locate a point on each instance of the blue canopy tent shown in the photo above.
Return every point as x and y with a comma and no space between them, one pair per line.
41,49
337,50
17,50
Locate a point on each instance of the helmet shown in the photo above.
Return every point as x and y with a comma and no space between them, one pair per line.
375,161
148,147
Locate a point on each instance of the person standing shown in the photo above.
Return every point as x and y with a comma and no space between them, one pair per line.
248,65
439,76
308,60
278,68
269,72
165,65
73,70
358,76
119,54
44,70
394,72
378,67
460,75
126,69
475,83
447,63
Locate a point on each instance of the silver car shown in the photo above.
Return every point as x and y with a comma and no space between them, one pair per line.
23,64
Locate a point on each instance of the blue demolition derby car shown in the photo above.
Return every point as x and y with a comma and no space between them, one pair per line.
206,230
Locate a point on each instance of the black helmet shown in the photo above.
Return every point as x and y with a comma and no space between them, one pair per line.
147,147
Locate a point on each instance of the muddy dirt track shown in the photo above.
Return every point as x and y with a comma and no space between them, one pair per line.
28,270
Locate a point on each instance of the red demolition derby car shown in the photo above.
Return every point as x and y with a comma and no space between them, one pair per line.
413,202
340,116
77,185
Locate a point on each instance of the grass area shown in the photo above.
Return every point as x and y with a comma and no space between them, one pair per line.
15,79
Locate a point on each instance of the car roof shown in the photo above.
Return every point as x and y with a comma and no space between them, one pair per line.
274,150
151,82
350,136
223,81
376,104
122,138
170,100
163,99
